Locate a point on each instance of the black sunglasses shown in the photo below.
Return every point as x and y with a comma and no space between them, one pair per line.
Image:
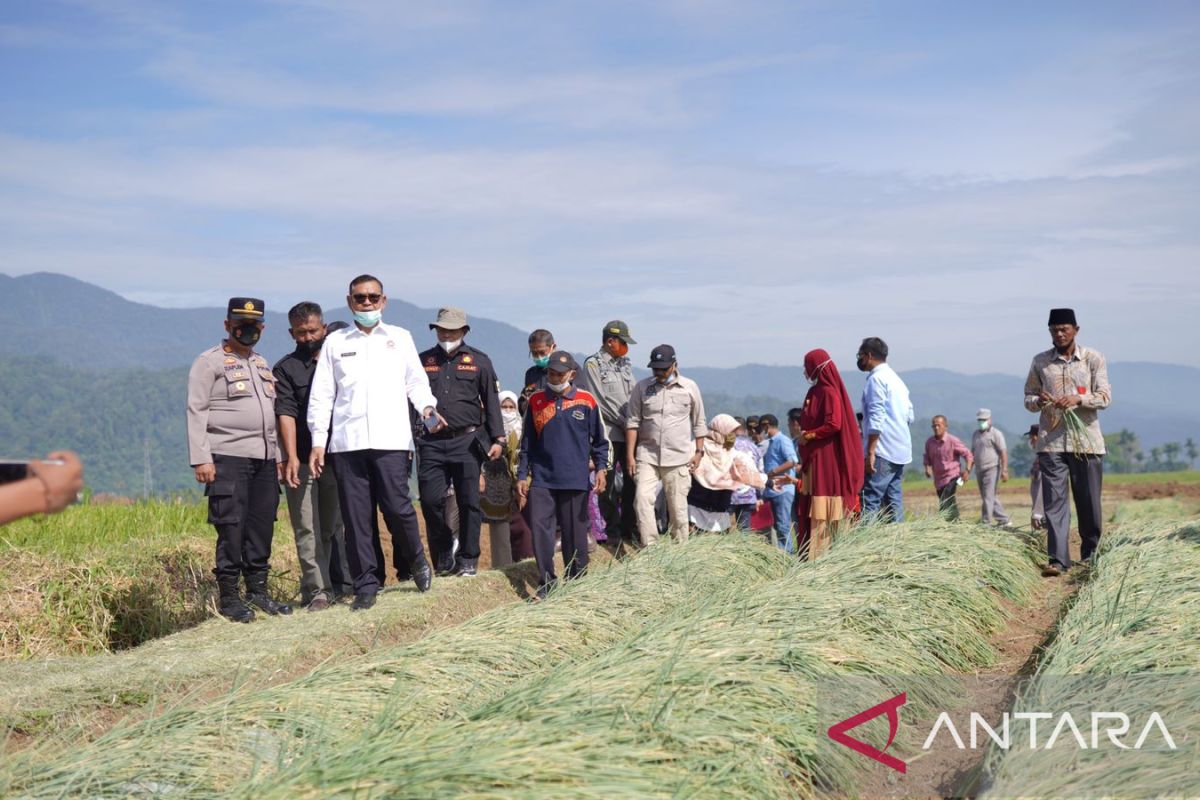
362,299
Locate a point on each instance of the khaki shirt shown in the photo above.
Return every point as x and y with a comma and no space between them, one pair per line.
230,407
668,418
986,446
610,381
1084,374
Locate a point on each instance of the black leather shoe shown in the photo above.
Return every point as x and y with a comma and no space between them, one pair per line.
445,568
362,601
264,602
423,578
466,568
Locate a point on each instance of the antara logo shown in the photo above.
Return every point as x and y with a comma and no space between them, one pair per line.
889,707
1106,728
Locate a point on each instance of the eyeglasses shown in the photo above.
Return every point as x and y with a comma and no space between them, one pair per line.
363,299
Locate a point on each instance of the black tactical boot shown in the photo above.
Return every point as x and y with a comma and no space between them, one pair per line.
231,605
256,595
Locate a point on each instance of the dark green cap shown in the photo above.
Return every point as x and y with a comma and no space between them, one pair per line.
620,330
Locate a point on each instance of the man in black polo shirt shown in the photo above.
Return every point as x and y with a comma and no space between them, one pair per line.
312,502
466,388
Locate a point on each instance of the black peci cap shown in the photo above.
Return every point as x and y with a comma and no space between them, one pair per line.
245,308
1062,316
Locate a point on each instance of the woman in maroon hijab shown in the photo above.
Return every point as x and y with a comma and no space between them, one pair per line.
830,455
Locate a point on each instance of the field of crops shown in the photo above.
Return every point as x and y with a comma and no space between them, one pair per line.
1129,642
688,669
706,670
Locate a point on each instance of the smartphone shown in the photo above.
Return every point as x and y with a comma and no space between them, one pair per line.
11,471
431,422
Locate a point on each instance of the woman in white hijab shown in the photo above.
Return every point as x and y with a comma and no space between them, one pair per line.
721,471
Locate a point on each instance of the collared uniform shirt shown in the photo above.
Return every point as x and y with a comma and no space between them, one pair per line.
1085,374
466,387
293,380
560,434
361,385
942,456
610,381
987,447
230,406
669,418
888,411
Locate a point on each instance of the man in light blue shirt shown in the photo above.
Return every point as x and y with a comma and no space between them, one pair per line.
780,461
887,413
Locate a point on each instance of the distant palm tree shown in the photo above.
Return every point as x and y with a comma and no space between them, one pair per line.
1171,450
1189,447
1156,457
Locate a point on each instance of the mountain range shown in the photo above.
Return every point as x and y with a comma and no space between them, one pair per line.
83,367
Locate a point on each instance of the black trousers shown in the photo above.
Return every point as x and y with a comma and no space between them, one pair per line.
242,502
442,462
1085,476
616,502
948,500
550,509
367,480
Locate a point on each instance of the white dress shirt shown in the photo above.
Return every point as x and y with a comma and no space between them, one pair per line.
362,383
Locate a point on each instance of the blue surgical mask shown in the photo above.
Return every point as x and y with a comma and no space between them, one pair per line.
541,361
368,319
984,424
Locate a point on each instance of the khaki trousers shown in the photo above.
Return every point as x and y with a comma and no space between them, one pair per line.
316,521
676,481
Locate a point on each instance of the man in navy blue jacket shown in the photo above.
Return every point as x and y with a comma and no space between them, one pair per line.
562,433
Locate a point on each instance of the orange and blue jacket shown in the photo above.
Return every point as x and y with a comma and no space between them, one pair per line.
561,432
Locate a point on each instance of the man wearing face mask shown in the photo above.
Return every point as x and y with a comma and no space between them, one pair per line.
233,449
312,502
991,465
467,390
366,376
608,376
561,432
664,440
887,413
541,345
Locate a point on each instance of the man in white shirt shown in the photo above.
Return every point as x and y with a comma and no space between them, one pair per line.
364,376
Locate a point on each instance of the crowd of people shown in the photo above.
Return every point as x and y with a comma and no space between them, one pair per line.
581,454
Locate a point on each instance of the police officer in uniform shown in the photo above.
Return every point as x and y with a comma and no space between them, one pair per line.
233,448
466,388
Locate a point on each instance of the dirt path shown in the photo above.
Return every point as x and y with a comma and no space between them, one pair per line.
945,771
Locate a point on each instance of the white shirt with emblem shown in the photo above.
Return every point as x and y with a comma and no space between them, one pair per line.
361,385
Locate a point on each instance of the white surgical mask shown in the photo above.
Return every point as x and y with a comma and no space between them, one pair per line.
511,418
558,388
368,319
816,374
450,347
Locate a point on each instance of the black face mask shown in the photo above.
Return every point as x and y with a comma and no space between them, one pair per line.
247,335
862,364
309,349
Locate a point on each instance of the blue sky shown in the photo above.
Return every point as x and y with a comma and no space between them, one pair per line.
745,180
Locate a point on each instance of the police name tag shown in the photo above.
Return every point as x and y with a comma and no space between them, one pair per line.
351,353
